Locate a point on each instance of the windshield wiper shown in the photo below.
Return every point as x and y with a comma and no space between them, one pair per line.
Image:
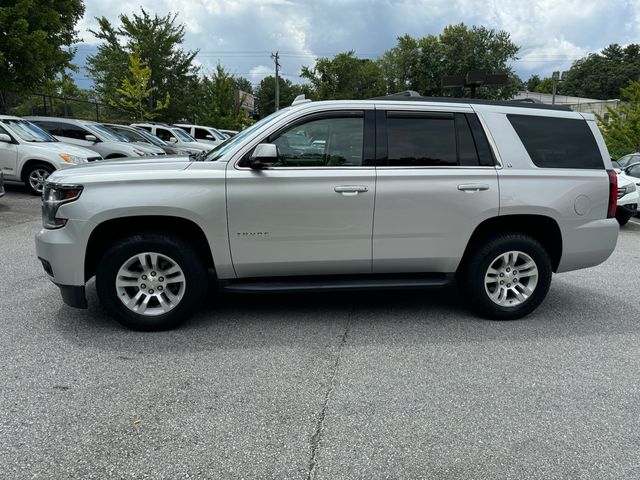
197,157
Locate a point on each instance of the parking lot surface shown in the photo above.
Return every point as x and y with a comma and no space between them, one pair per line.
368,385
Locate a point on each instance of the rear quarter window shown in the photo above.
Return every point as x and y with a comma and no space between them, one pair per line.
557,142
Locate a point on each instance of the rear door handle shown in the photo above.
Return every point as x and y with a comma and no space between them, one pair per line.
472,187
350,190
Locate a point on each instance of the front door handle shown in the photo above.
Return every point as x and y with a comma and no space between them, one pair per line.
472,187
350,190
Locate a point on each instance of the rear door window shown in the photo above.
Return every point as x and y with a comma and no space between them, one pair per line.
421,140
557,142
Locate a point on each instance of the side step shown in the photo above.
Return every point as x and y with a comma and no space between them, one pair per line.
338,283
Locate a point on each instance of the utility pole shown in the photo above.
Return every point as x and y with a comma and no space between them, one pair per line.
276,58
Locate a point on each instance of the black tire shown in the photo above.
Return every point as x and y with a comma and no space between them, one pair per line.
180,251
472,274
623,219
32,168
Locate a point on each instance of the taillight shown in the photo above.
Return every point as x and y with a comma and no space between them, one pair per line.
613,193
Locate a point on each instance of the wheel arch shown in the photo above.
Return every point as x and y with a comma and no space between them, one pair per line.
110,231
24,168
540,227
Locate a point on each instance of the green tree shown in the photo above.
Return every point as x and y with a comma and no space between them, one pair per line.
622,129
33,37
135,91
243,84
533,82
158,41
603,75
345,77
546,86
265,94
420,64
218,104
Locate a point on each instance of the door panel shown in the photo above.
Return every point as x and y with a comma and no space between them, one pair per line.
294,222
8,158
425,217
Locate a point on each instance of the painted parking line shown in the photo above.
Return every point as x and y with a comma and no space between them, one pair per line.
635,221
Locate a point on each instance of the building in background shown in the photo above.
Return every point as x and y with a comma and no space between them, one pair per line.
244,101
577,104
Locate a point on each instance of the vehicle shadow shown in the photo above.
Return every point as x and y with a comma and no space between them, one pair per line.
234,321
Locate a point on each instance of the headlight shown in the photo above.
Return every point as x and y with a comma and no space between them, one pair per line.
139,152
53,196
67,157
622,191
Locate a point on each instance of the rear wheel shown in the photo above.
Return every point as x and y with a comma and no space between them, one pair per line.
36,175
507,277
151,281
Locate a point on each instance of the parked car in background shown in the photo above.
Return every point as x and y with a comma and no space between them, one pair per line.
141,136
629,159
627,198
228,133
1,185
174,136
632,172
29,154
202,133
91,135
398,193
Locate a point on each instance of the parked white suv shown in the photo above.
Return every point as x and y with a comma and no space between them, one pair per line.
495,195
30,155
94,136
175,136
203,134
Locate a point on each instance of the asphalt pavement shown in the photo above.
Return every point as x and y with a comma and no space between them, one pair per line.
369,385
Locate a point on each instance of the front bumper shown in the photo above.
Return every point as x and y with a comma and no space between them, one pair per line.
629,210
62,253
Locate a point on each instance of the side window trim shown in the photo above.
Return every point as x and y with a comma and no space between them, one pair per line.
486,158
368,147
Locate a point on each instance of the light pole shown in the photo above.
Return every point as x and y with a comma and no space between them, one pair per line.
557,77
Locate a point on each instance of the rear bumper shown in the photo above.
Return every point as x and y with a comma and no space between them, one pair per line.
588,244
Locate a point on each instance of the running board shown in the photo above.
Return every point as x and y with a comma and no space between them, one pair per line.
338,283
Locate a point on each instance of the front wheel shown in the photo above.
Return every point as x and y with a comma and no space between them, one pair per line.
36,175
507,277
151,281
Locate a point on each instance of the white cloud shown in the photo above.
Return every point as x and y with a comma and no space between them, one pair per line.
241,34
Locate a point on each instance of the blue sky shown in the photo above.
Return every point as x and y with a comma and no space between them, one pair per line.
241,34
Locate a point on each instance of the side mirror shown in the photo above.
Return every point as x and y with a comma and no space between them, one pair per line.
91,138
173,140
5,138
263,156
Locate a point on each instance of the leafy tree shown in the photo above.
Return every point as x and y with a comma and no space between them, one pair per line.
546,86
243,84
33,35
265,95
158,41
622,130
533,82
420,64
219,107
603,75
345,77
135,91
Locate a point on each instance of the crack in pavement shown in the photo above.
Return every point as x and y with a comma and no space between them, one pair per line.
316,438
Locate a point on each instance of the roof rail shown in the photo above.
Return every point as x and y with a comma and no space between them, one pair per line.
300,99
410,97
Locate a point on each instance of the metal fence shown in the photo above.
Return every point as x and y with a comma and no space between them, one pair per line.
68,107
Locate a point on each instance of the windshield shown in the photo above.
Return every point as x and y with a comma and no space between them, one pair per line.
151,137
217,134
230,143
28,132
105,132
182,135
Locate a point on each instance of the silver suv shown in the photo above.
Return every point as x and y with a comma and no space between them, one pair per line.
394,192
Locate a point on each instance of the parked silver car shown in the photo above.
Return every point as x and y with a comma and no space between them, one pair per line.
203,133
495,195
94,136
141,136
174,136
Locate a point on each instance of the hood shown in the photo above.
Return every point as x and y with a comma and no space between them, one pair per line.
119,169
61,147
147,147
197,145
